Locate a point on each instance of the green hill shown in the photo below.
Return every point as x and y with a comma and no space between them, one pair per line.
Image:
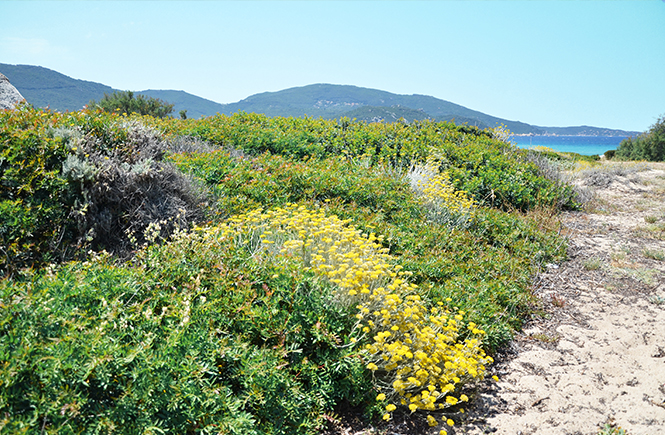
43,87
395,113
332,101
196,107
386,114
585,130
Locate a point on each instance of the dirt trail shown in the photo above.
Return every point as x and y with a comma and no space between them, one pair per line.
598,355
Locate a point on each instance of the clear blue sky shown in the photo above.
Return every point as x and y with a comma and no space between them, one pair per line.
551,63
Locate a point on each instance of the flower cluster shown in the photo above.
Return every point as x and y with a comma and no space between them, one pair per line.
413,348
445,204
355,262
417,354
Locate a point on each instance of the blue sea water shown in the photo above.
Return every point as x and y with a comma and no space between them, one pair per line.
586,145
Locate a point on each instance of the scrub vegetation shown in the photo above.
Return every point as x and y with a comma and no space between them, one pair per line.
244,274
649,146
125,102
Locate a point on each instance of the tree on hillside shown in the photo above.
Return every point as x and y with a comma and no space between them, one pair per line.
650,145
126,102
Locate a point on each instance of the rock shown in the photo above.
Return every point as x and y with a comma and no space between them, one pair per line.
9,95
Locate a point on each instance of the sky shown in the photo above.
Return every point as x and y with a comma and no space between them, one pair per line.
548,63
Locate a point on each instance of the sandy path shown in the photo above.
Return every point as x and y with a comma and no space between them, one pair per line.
599,353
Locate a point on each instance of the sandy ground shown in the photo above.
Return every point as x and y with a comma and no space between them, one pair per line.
596,353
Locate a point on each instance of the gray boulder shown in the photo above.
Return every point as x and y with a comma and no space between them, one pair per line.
9,95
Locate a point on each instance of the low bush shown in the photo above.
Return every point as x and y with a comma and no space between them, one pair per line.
342,263
78,181
486,265
444,204
478,164
603,176
649,146
125,102
128,189
197,336
34,196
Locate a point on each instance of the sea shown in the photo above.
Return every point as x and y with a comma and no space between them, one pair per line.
585,145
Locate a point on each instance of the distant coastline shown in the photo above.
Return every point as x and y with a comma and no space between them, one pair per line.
581,144
622,136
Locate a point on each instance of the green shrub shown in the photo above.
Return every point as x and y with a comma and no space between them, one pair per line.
483,167
649,146
201,333
80,180
125,102
34,197
241,183
197,336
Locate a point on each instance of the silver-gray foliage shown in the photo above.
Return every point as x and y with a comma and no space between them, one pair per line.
121,194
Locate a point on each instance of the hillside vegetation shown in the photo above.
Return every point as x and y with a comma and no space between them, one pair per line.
43,87
125,102
250,275
649,146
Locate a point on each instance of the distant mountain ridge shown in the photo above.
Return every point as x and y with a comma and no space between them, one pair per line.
43,87
332,101
196,107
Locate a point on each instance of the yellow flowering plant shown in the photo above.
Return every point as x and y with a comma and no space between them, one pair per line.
445,205
262,324
414,350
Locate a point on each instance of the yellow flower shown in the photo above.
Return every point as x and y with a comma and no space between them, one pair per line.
431,421
496,378
356,264
386,417
449,422
463,398
391,408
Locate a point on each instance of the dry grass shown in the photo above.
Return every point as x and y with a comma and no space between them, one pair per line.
592,264
654,254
